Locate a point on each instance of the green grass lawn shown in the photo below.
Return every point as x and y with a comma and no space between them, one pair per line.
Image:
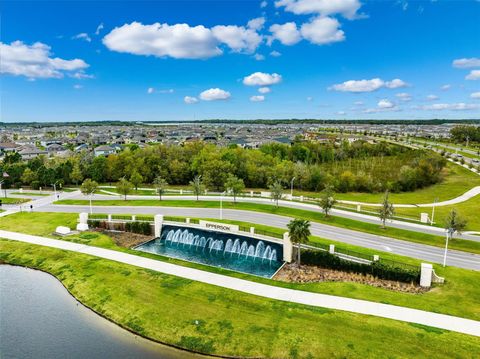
12,200
411,236
215,320
442,298
31,193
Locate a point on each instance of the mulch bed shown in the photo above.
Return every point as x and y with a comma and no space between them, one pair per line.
312,274
127,239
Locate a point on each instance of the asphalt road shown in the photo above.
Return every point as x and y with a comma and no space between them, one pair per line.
380,243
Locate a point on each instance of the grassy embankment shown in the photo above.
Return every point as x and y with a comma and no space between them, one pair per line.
411,236
459,296
12,200
211,319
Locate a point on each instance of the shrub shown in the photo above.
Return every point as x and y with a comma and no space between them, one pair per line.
377,269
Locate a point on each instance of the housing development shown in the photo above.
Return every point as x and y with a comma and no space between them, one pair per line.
177,183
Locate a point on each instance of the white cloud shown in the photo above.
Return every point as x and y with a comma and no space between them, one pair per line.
259,57
287,33
178,41
82,36
99,28
359,85
358,103
80,75
322,30
404,96
309,98
446,87
395,84
347,8
77,87
367,85
275,54
263,4
34,61
475,95
385,103
256,24
257,98
432,97
264,89
461,106
466,63
262,79
473,75
238,38
167,91
150,90
190,100
214,94
341,113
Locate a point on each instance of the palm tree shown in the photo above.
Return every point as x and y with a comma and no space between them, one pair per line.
299,231
454,223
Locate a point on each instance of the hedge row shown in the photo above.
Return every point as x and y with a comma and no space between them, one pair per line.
377,269
134,227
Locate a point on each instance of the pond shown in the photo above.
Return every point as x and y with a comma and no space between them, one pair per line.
40,319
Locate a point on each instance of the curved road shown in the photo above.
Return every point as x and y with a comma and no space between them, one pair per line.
380,243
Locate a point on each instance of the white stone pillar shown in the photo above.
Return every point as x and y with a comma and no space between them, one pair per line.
426,275
83,223
187,220
181,191
359,207
158,223
287,248
376,257
134,218
331,249
251,193
109,218
252,230
301,198
424,217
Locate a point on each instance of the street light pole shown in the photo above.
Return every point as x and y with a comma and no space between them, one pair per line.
221,204
433,211
291,187
449,233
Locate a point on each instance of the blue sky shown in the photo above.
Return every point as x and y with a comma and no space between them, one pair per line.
185,60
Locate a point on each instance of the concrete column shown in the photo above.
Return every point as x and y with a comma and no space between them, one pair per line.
187,220
158,223
426,275
287,248
359,208
424,217
83,223
181,191
301,198
376,257
331,249
109,218
252,230
134,218
251,193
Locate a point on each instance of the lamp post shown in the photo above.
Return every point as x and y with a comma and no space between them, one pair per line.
221,204
291,187
433,211
449,233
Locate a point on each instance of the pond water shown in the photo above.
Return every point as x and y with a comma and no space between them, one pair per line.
225,250
40,319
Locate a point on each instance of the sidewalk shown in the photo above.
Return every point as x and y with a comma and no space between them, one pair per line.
442,321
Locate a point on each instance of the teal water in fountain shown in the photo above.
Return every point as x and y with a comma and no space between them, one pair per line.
225,250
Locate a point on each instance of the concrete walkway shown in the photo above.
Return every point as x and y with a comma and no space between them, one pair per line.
442,321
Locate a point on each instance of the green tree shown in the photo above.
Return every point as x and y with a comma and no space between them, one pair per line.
276,191
88,188
235,186
124,187
197,186
386,210
28,176
160,184
136,179
76,175
327,200
454,223
299,231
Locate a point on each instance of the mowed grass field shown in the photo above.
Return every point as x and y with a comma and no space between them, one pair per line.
459,296
215,320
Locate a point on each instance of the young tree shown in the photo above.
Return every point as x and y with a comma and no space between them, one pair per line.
234,185
28,176
276,191
160,184
88,188
454,223
386,210
136,179
299,231
327,200
124,187
76,175
197,186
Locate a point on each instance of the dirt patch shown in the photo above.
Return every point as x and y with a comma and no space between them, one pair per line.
312,274
127,239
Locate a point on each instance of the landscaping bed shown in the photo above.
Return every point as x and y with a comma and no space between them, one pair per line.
312,274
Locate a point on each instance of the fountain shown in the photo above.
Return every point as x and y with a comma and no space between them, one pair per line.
225,250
